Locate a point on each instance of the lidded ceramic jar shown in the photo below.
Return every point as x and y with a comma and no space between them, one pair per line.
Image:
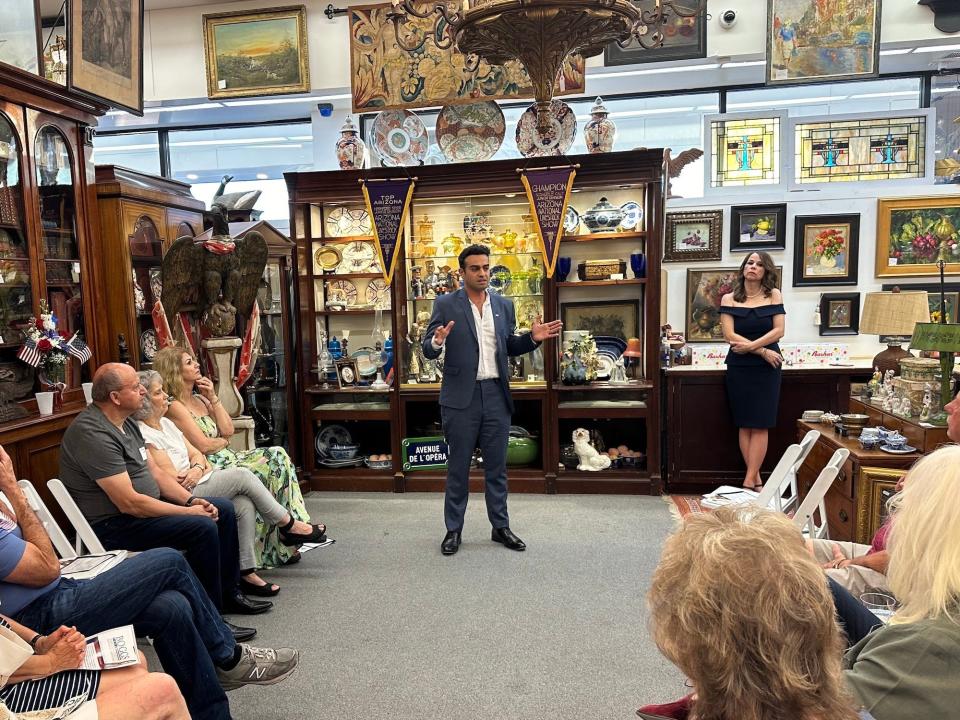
602,217
600,132
351,152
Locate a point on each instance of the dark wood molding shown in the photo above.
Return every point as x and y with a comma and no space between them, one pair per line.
41,94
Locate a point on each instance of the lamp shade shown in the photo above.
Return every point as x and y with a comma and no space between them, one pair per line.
894,313
936,336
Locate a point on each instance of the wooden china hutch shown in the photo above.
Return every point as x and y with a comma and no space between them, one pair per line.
48,223
340,291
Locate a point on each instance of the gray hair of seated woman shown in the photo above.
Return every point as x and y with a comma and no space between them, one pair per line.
147,379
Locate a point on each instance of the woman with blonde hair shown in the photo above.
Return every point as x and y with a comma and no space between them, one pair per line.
739,605
198,413
909,667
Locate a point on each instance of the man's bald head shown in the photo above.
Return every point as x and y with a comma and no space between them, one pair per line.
110,378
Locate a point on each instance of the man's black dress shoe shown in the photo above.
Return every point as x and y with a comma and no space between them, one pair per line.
240,634
451,543
240,604
506,537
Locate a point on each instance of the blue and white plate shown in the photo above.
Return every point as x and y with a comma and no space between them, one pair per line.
571,220
632,215
500,279
902,450
331,435
610,342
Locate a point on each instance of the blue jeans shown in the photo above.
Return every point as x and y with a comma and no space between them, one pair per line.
211,548
855,620
157,593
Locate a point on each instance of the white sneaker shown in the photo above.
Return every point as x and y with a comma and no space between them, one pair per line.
259,666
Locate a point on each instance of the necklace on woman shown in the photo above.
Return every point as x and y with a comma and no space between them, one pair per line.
756,294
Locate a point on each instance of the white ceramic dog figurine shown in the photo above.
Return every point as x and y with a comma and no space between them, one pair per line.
590,459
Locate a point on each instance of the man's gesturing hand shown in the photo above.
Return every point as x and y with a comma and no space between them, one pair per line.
440,334
541,331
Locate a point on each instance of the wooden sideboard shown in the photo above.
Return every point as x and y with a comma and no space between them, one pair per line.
700,447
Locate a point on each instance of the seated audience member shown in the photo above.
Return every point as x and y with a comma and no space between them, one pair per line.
155,591
105,466
909,668
199,414
186,465
738,604
41,673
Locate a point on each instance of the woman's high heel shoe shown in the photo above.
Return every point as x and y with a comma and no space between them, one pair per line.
290,539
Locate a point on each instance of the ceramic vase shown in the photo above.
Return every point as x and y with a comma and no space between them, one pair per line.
351,152
828,262
600,132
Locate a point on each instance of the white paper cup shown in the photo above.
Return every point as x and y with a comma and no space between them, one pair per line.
45,403
88,392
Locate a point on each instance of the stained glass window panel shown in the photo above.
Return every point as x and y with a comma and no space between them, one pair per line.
745,152
858,150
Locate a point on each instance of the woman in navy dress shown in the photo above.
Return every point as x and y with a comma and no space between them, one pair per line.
752,318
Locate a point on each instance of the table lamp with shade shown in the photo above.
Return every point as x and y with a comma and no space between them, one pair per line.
893,314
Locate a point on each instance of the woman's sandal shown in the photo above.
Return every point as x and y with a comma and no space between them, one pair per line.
319,534
249,588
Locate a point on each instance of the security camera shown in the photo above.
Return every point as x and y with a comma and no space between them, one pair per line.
728,18
326,109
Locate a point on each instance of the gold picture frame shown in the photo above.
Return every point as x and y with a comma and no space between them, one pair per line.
897,232
876,487
237,45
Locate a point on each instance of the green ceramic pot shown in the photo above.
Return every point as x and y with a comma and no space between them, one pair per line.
522,451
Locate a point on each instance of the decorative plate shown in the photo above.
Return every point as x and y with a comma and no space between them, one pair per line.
343,222
632,215
615,344
557,141
331,435
358,256
477,226
467,133
500,279
353,462
400,137
139,301
342,291
606,366
378,294
148,345
156,283
366,361
328,257
903,450
571,221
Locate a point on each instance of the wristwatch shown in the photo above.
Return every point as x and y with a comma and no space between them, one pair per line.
196,465
189,501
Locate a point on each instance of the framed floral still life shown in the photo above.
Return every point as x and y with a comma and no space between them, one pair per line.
256,53
693,236
705,289
825,250
877,486
812,41
840,313
758,227
913,233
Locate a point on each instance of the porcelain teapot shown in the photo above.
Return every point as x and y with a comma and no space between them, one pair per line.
602,217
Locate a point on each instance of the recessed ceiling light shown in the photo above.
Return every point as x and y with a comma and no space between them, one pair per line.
192,176
262,176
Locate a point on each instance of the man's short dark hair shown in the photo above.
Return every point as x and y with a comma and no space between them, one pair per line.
475,249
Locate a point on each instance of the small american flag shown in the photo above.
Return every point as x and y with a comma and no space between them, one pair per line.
29,353
79,349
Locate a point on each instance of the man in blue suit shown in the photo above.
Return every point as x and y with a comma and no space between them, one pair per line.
477,327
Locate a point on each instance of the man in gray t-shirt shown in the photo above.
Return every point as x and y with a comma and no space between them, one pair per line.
105,466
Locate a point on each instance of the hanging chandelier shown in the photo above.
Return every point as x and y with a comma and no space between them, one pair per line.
540,34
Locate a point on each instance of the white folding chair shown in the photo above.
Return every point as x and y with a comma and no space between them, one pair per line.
813,504
789,497
730,495
85,535
61,543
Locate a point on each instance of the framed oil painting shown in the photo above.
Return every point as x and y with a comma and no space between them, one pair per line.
840,313
256,53
877,486
950,300
705,289
617,318
758,227
913,233
20,44
106,51
693,236
684,38
825,250
812,41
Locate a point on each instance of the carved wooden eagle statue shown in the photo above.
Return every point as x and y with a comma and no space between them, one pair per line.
676,164
219,276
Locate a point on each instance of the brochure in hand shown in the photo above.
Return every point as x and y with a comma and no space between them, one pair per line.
111,649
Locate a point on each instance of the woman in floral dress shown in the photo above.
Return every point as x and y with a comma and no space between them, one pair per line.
199,414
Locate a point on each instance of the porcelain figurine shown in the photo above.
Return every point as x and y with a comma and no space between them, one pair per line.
618,376
351,152
590,459
600,132
602,217
906,407
927,410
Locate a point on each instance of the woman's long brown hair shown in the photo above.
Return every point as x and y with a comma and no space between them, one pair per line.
767,283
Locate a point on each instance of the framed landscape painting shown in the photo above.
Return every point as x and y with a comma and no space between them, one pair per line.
684,38
693,235
758,227
20,36
914,233
256,53
826,250
812,41
616,318
705,289
106,51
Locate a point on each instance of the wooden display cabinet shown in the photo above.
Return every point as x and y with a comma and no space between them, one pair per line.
451,207
140,217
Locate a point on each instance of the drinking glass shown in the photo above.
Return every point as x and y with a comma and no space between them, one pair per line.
880,604
564,264
638,263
